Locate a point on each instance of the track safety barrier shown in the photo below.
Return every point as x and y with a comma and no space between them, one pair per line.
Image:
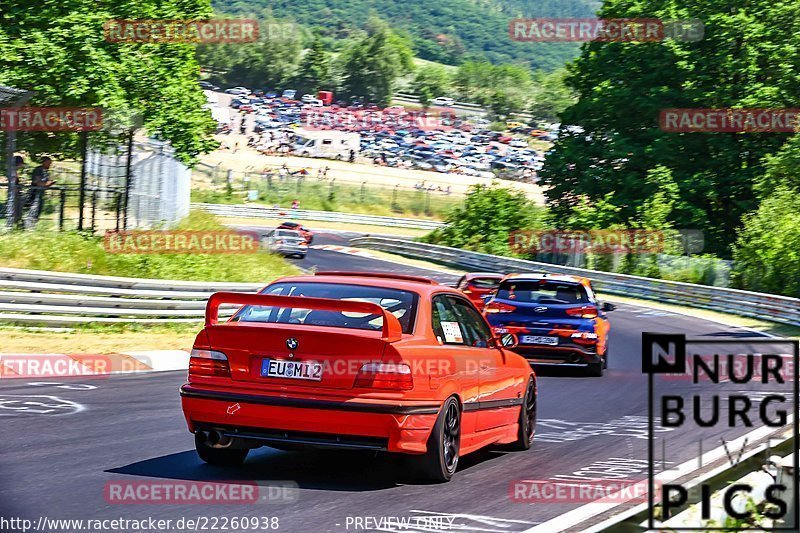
769,307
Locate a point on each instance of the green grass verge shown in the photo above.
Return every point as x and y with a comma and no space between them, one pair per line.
85,254
320,196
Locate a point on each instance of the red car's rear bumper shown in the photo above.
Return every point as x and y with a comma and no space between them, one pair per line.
390,425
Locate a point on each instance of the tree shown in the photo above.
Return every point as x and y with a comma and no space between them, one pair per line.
58,50
505,88
749,57
504,102
314,73
767,251
429,83
550,95
270,62
372,64
487,219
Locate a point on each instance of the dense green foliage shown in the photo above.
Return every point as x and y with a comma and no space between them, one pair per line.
767,252
269,62
445,31
749,57
487,218
76,252
371,65
58,50
429,83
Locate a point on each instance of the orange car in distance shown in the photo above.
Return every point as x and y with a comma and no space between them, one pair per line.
479,286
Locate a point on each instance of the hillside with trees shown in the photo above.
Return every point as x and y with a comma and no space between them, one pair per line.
445,31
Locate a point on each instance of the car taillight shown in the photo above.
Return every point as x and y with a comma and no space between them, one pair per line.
385,376
499,307
209,363
587,311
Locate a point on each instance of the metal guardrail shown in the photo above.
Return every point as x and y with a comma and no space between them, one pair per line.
56,298
257,211
773,308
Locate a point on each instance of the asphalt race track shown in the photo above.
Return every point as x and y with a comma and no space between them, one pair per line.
56,462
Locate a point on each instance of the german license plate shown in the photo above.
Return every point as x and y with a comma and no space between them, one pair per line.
534,339
278,368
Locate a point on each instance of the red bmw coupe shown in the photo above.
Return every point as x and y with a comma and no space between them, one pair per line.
361,361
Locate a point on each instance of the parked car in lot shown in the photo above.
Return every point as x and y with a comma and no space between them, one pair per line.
208,86
479,286
286,242
557,320
373,362
238,90
307,234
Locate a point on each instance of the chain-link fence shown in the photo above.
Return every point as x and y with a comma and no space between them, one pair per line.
316,189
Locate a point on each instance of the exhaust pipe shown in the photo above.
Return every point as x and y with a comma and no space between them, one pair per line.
217,439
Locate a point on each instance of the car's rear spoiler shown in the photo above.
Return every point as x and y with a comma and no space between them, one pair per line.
392,331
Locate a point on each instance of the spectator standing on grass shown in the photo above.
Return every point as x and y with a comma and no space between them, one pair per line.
40,181
352,157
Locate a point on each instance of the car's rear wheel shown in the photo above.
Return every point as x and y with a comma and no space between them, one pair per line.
439,463
527,419
596,369
218,456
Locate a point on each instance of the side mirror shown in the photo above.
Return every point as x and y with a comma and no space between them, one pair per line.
508,340
607,307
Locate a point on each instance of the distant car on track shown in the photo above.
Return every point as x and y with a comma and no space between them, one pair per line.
557,319
376,362
479,286
443,101
307,234
286,242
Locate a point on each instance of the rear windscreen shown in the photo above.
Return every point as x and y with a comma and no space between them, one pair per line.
542,292
485,283
402,304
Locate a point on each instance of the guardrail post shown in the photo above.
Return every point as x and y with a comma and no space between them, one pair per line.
363,191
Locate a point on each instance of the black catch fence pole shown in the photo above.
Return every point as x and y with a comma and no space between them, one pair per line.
82,189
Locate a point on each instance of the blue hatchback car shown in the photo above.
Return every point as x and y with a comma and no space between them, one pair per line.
557,320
